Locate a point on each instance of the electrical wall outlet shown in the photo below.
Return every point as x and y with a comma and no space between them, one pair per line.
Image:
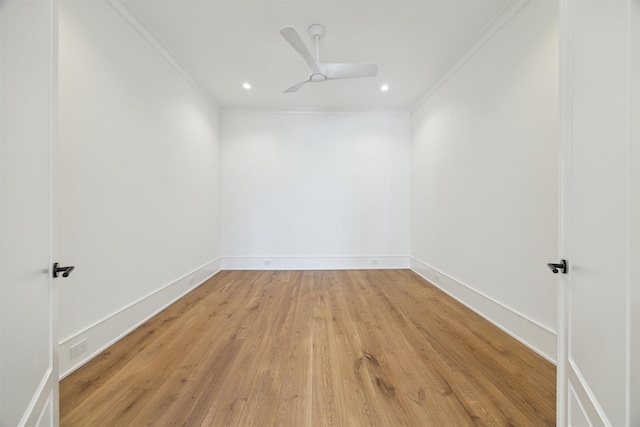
267,262
374,262
78,349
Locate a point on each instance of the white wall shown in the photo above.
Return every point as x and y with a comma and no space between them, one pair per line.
315,190
484,179
136,183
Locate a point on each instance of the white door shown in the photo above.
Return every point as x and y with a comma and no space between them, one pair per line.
598,331
28,362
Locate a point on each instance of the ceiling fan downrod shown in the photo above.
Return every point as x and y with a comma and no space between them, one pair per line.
317,31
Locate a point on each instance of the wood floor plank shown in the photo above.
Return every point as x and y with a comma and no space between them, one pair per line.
109,362
313,348
501,365
147,366
295,396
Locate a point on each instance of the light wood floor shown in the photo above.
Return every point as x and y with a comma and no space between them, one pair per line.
313,348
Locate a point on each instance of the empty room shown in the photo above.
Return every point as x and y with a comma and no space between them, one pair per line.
314,213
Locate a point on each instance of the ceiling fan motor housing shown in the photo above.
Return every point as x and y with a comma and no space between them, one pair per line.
316,30
317,77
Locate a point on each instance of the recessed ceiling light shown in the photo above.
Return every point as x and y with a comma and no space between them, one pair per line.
246,85
384,88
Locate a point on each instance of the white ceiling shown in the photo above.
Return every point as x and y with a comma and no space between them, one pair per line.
224,43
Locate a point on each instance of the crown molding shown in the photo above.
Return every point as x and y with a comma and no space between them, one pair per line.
492,28
143,29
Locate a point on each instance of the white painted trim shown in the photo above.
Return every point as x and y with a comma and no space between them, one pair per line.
633,317
315,263
575,402
54,399
154,41
564,211
106,332
633,275
506,14
47,417
535,336
592,410
42,402
232,112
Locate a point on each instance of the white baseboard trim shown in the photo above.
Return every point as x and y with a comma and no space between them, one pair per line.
106,332
315,263
533,335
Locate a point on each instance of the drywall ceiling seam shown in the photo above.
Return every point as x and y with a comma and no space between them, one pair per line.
491,29
148,35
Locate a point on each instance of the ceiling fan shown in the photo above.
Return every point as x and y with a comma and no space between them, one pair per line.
321,71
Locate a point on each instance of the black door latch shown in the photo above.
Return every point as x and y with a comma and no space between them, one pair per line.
557,267
64,270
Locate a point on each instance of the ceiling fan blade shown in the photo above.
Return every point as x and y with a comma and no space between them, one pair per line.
348,71
295,88
291,35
